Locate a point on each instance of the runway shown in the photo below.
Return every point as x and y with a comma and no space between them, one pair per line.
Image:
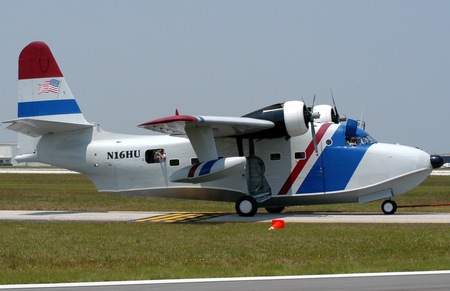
204,217
433,280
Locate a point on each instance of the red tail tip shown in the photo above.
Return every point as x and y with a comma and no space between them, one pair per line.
37,61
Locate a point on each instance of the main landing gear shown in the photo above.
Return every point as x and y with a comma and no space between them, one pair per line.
246,206
389,207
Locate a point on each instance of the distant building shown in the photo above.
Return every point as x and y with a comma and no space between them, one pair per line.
7,153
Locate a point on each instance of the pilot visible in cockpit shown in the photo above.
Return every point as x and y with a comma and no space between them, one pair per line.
352,141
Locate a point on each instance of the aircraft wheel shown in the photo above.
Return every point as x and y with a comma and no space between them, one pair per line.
246,206
275,209
389,207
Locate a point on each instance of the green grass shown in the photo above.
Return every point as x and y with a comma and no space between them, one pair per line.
67,252
37,252
76,192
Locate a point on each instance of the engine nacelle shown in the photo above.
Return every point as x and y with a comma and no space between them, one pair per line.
290,118
326,112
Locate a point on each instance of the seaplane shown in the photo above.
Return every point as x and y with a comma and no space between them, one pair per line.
278,156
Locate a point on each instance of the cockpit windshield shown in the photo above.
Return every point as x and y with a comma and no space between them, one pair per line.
365,139
360,140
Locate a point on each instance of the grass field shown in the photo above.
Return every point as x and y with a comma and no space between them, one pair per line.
76,192
37,252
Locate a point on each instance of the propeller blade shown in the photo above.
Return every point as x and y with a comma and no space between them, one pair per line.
311,116
335,118
313,133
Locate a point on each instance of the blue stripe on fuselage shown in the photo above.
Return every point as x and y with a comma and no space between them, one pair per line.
47,107
206,168
335,166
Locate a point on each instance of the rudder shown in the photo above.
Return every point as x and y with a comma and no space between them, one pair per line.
45,102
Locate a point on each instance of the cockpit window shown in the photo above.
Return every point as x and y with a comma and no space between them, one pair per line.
360,140
365,139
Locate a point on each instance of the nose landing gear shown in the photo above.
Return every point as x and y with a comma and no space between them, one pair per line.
389,207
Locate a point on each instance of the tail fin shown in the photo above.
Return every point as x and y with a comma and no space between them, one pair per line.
45,102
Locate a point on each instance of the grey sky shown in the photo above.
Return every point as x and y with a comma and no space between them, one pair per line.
128,62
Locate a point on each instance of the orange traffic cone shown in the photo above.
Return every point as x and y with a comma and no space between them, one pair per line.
277,223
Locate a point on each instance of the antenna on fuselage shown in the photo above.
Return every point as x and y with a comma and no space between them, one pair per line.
361,123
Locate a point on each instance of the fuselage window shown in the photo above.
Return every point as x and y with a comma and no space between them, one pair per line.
300,155
174,162
155,156
275,157
195,161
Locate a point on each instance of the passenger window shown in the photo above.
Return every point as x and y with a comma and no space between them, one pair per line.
195,161
275,157
174,162
300,155
155,156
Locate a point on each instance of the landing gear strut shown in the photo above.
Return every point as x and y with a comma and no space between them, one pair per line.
246,206
389,207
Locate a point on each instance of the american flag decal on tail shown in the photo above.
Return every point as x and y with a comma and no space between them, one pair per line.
49,86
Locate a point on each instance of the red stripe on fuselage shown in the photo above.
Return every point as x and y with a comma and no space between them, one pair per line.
301,164
192,170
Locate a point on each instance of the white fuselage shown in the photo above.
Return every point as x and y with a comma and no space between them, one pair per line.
282,172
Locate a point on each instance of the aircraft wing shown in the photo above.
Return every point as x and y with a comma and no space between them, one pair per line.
201,130
221,126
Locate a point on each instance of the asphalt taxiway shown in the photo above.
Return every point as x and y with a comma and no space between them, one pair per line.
185,217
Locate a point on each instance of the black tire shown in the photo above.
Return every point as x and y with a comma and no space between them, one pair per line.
275,209
246,206
389,207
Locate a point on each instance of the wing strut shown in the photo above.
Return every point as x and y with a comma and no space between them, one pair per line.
202,140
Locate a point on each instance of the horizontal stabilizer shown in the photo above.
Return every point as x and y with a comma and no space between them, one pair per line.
35,127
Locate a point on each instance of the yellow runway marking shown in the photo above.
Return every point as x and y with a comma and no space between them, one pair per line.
181,217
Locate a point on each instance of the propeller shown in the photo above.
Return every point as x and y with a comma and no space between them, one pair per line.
310,118
335,117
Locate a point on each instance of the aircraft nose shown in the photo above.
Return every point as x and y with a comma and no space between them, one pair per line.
436,161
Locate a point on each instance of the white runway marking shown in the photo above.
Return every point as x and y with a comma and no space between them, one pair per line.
150,283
